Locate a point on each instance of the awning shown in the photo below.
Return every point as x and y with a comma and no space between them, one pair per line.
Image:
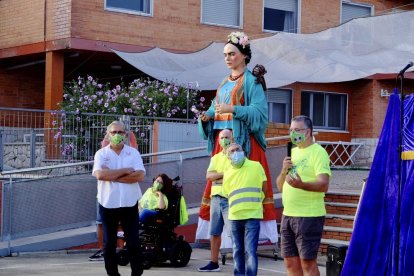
354,50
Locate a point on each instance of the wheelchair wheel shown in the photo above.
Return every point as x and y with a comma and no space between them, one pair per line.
180,254
147,259
122,257
146,264
275,255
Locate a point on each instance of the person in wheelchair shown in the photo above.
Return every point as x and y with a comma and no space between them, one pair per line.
161,210
155,199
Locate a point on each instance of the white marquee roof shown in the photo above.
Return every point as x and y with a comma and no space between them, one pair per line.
354,50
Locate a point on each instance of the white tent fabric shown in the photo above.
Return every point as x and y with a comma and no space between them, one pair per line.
354,50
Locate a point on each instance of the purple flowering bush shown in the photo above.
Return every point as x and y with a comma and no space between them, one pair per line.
140,98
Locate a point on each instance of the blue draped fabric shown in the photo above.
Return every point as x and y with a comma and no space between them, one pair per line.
406,262
372,250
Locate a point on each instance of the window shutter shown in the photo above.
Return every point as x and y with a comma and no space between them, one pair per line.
350,11
278,96
284,5
221,12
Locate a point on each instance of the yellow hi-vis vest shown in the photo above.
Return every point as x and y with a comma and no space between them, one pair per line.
243,187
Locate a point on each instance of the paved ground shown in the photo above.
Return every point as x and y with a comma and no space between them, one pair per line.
347,180
77,264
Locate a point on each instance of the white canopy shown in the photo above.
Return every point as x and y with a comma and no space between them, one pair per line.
354,50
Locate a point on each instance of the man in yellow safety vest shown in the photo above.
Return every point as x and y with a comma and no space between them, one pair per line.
244,183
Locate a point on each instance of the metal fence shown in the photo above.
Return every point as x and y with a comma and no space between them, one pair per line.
36,138
341,154
45,161
46,200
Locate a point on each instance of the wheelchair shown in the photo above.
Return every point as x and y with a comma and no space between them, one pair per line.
158,241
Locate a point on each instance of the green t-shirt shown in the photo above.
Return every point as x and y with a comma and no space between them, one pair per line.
308,163
218,163
150,200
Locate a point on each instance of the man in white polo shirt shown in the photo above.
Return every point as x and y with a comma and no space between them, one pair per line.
119,168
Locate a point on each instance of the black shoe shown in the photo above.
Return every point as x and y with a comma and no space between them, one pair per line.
98,256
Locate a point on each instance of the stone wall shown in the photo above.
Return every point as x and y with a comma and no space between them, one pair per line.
365,154
17,155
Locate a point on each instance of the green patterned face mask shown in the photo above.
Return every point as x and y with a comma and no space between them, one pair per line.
224,143
157,186
297,138
117,139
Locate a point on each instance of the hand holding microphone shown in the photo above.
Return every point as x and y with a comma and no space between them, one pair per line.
294,181
287,162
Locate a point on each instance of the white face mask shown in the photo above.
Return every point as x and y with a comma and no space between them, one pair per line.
237,159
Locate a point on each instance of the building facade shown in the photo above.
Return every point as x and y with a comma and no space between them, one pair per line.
45,43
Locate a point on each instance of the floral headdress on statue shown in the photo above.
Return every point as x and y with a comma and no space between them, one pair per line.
239,38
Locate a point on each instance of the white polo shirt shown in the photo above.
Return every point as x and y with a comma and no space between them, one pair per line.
113,194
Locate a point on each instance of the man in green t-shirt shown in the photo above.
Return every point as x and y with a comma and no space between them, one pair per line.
219,203
303,181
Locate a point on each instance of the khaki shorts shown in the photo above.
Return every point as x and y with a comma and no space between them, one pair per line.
301,236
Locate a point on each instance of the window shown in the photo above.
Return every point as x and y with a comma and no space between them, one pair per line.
280,105
327,110
354,10
280,15
223,13
142,7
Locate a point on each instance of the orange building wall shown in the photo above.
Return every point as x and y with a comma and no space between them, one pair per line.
364,110
58,19
319,15
275,130
175,24
345,87
21,22
22,91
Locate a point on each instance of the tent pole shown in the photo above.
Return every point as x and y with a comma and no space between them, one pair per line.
400,150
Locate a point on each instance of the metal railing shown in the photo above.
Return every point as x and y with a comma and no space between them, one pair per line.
38,201
341,153
36,138
28,196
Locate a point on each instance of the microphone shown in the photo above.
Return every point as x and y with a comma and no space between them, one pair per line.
289,149
406,68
